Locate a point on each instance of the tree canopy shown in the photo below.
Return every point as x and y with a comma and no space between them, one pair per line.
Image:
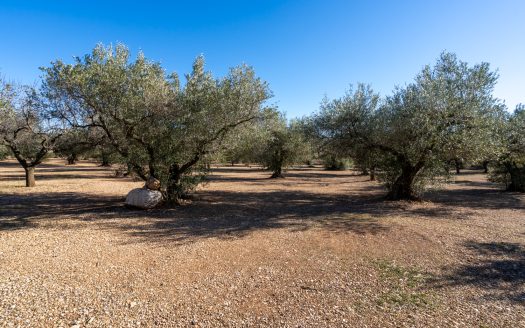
161,127
24,129
510,164
448,109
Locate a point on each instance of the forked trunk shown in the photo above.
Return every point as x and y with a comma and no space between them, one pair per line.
30,176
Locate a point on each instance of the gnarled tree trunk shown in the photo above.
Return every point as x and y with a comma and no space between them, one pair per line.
403,187
174,192
276,165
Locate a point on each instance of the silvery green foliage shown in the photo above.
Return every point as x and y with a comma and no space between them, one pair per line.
23,128
246,143
4,152
284,147
162,128
269,141
75,143
510,166
448,109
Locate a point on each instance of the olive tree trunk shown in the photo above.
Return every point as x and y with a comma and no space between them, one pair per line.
105,162
517,179
457,164
372,174
485,166
403,186
277,173
72,159
175,191
30,176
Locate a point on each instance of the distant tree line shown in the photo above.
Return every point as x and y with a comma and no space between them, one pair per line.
109,106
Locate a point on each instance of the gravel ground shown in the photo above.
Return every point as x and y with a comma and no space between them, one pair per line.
317,249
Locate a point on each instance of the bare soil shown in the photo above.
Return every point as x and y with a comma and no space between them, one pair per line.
316,249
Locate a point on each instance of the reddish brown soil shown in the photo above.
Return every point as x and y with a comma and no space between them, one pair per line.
316,249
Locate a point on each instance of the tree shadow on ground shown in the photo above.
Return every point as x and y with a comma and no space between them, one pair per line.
226,214
478,195
40,177
55,164
479,199
221,214
291,175
498,269
23,211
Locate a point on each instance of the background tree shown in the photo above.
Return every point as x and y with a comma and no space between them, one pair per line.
74,143
4,152
285,145
510,166
365,160
343,125
448,106
270,142
246,143
161,128
23,129
106,154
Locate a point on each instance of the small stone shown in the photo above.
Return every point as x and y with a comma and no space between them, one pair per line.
152,184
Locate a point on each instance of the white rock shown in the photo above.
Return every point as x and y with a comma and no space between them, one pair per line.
143,198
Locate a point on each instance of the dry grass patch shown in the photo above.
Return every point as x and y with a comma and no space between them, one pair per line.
403,286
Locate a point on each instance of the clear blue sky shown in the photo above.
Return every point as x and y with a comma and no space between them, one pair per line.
304,49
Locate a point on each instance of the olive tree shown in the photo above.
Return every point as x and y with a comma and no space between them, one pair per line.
342,127
270,142
4,152
23,128
161,127
74,143
106,154
510,166
283,148
449,108
246,143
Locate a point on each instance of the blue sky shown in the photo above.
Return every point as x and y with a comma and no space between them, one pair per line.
304,49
